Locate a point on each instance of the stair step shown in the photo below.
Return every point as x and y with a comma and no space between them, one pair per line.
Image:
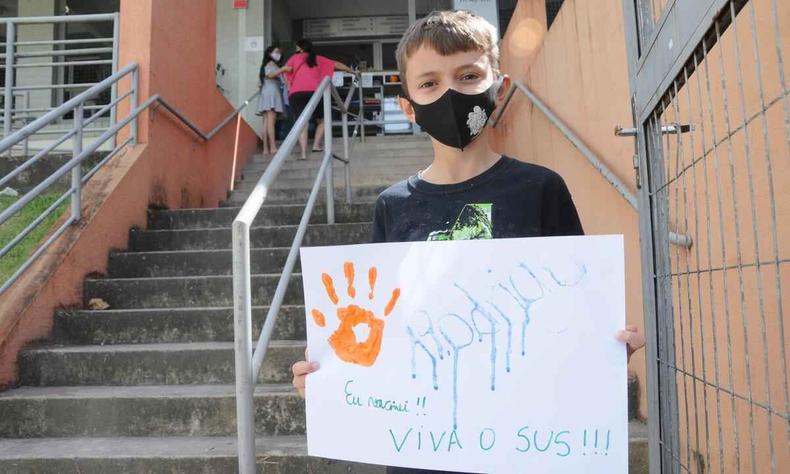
186,292
149,364
362,156
299,195
372,187
286,214
148,326
192,262
281,454
144,410
372,184
395,164
260,237
285,454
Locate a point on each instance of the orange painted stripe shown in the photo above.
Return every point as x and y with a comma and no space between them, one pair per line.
348,269
372,274
330,287
319,318
393,302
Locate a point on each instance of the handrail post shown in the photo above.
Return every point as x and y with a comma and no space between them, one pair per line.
27,140
10,54
235,152
330,186
242,329
76,172
133,99
347,165
361,116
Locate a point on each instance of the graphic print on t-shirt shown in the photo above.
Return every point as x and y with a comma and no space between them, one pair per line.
473,223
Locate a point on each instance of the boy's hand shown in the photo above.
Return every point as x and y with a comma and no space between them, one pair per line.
300,370
632,339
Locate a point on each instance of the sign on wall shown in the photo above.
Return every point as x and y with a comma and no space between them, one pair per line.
253,44
475,356
355,26
240,4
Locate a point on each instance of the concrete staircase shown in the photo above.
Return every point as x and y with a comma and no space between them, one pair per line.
146,386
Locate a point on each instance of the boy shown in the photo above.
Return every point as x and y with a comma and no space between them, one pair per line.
448,63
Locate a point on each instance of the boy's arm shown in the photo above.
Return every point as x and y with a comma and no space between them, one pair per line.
379,222
559,216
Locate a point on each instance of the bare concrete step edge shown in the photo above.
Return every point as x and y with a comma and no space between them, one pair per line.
148,326
300,195
286,214
181,292
160,455
149,364
210,455
260,237
153,410
210,262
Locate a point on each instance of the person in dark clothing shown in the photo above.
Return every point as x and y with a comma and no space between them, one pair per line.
448,64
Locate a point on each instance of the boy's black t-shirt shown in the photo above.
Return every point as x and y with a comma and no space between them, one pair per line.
510,199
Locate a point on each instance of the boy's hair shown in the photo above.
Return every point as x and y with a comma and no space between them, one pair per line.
448,32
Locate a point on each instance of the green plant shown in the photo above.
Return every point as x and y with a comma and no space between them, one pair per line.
11,261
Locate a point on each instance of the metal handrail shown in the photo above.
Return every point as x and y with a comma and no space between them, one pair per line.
188,123
595,161
79,154
30,20
247,363
13,59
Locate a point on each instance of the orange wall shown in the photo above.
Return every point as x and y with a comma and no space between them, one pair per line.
579,69
173,43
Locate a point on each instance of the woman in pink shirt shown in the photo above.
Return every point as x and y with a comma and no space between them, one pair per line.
304,72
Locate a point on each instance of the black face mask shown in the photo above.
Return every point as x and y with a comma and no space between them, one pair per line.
456,119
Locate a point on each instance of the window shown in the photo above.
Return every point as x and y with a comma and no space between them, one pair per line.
552,9
388,60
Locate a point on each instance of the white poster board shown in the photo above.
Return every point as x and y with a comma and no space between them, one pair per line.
476,356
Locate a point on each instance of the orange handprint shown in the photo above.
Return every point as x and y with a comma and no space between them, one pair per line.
344,341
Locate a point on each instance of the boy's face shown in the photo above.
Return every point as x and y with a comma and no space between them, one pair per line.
429,74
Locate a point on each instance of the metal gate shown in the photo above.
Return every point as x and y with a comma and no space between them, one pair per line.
712,113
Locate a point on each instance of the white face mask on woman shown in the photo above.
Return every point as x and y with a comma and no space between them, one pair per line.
276,56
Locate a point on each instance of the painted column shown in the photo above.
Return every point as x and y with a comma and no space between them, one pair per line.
240,42
39,76
254,42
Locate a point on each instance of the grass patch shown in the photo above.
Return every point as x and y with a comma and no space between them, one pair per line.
10,262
